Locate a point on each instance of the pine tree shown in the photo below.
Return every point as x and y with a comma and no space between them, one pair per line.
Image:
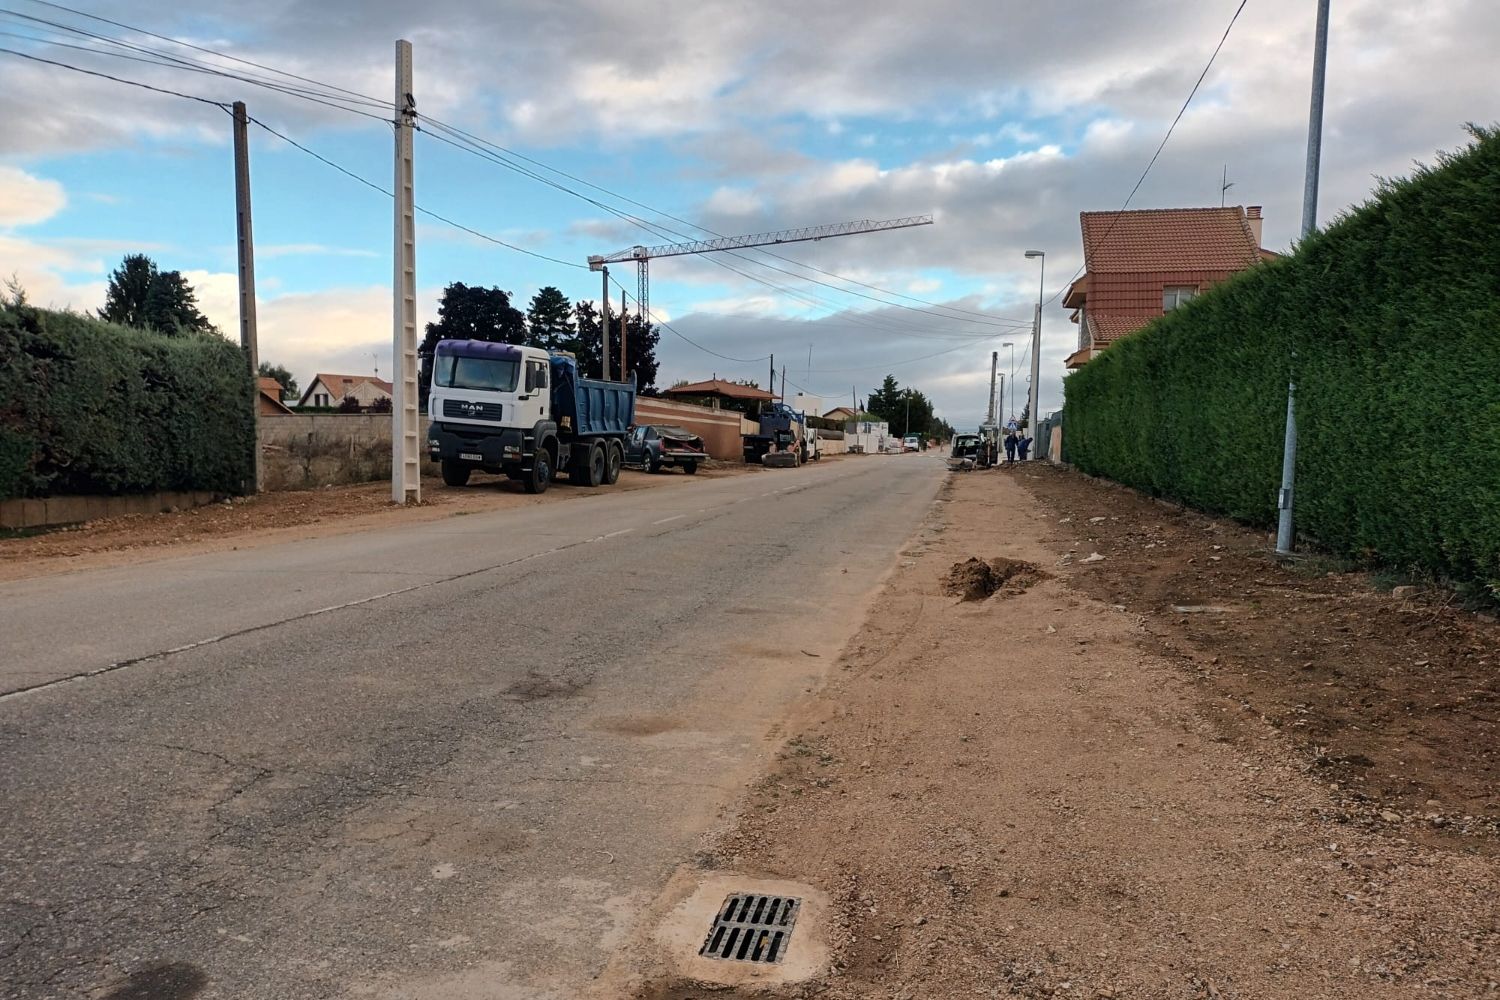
549,320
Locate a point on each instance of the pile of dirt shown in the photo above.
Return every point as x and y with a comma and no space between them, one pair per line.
974,579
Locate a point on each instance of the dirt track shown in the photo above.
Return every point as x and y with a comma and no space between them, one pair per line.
1073,790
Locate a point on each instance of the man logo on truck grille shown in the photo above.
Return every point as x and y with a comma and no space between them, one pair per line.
472,409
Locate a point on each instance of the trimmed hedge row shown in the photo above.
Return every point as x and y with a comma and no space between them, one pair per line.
1393,318
88,407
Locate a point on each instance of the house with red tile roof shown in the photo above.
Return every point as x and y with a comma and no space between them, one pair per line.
268,397
1142,264
330,390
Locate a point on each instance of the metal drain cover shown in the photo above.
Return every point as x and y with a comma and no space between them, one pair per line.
752,928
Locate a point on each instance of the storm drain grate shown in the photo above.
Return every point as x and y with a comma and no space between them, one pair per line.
752,928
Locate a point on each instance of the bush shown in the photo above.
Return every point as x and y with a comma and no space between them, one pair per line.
1393,318
89,407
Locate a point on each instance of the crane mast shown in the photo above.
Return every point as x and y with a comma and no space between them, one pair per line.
643,255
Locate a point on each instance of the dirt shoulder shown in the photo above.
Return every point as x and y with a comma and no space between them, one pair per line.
1027,795
287,516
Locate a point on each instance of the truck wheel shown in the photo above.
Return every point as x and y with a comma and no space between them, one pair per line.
614,457
595,470
652,464
455,473
540,476
690,468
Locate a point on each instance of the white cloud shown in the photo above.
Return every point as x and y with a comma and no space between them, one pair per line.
26,200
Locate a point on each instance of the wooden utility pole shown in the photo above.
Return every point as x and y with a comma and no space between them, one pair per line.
246,244
624,332
406,458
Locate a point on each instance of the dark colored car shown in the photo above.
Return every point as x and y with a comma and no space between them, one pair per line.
651,446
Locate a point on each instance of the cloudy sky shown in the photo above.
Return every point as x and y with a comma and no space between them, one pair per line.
1001,119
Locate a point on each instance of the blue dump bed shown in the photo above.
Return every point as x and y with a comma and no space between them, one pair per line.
586,407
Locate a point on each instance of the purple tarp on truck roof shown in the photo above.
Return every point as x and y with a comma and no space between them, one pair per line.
478,349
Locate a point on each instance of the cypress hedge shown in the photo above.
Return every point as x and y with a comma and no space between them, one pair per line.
89,407
1390,322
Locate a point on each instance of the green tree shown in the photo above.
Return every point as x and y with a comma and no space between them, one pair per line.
142,295
280,374
549,320
470,312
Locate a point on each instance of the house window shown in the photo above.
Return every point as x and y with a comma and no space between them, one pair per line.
1173,296
321,399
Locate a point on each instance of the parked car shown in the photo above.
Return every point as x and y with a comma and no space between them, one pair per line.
911,443
651,446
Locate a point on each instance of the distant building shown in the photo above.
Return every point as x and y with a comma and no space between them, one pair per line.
721,394
330,390
268,397
1139,265
843,414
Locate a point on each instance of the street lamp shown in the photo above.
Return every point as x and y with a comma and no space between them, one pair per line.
1036,350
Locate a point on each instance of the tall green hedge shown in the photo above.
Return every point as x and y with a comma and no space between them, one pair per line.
1390,320
88,407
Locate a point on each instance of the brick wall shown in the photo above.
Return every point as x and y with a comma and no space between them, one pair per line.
719,429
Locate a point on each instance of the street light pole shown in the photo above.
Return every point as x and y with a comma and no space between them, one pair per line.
1284,530
1036,350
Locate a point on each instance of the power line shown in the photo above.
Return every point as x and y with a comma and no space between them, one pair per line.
116,79
614,194
1170,129
665,232
461,140
318,156
323,96
170,61
427,212
206,51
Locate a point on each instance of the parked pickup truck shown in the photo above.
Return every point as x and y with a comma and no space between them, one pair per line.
526,413
652,446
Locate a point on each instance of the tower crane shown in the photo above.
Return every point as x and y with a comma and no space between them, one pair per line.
644,255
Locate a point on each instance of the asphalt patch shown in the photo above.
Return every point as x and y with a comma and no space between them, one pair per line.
161,981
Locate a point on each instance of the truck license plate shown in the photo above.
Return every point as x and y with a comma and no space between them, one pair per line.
469,456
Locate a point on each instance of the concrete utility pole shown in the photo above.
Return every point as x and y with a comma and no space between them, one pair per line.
989,418
1036,353
624,333
604,322
406,458
1284,529
246,243
773,375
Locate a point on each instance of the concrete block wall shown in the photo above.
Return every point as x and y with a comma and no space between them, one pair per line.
47,511
309,450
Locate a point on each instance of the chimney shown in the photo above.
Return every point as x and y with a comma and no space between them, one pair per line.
1252,216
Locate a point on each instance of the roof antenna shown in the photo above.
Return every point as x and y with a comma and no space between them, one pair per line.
376,358
1224,185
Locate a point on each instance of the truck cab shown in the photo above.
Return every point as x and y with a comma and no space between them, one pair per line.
523,412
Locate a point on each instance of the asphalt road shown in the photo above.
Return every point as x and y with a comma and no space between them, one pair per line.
448,760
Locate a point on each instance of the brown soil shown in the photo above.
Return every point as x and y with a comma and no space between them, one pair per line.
974,579
1059,795
286,516
1394,701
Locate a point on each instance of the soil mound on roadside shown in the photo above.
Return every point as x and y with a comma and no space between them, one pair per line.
974,579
